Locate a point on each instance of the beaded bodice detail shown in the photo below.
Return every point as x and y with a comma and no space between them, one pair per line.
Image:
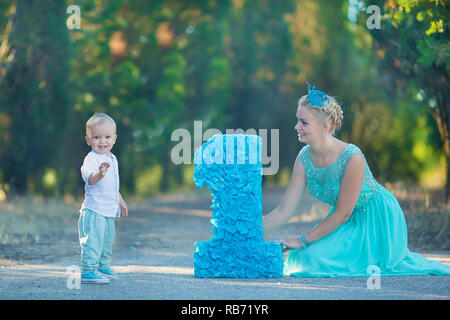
324,183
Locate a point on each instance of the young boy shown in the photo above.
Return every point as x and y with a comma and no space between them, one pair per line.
102,203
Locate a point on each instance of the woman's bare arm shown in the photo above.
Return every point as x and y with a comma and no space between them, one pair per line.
290,200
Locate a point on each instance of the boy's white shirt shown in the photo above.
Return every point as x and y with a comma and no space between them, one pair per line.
102,197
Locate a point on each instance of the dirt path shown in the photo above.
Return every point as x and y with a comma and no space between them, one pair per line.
153,258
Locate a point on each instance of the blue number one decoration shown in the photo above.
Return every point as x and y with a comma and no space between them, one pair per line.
231,167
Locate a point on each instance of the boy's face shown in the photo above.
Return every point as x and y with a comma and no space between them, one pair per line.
101,137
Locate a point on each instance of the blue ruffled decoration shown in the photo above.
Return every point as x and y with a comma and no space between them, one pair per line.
231,167
317,97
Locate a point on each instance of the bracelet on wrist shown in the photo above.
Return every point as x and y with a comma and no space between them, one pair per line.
303,240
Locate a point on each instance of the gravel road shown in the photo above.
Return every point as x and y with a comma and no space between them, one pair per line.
153,259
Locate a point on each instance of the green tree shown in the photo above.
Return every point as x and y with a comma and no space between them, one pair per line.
413,46
33,93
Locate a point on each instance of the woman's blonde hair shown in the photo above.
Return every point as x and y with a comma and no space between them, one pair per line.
331,112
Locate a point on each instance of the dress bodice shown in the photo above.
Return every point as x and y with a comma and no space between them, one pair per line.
324,183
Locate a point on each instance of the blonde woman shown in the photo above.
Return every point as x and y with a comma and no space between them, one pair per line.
365,226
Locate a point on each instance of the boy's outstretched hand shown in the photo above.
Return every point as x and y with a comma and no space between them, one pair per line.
97,176
104,168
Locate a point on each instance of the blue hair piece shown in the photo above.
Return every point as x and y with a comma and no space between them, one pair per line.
317,97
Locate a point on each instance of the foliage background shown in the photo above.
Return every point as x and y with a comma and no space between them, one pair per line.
156,66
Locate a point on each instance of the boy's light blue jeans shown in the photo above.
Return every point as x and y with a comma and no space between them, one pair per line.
96,234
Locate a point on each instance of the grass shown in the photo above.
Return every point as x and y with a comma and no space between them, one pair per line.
429,231
28,219
426,215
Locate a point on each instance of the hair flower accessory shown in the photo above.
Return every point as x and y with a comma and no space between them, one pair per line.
317,97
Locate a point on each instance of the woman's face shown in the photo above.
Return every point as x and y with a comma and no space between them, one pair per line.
307,127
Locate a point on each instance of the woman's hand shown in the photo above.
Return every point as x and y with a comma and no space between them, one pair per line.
290,244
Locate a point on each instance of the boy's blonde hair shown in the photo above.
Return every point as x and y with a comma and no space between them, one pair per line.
331,112
97,119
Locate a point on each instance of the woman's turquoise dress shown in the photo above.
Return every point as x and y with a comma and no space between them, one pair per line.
374,235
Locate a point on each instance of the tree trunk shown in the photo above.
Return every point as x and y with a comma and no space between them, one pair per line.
441,115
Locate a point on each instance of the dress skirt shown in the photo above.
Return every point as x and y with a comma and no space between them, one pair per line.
375,235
